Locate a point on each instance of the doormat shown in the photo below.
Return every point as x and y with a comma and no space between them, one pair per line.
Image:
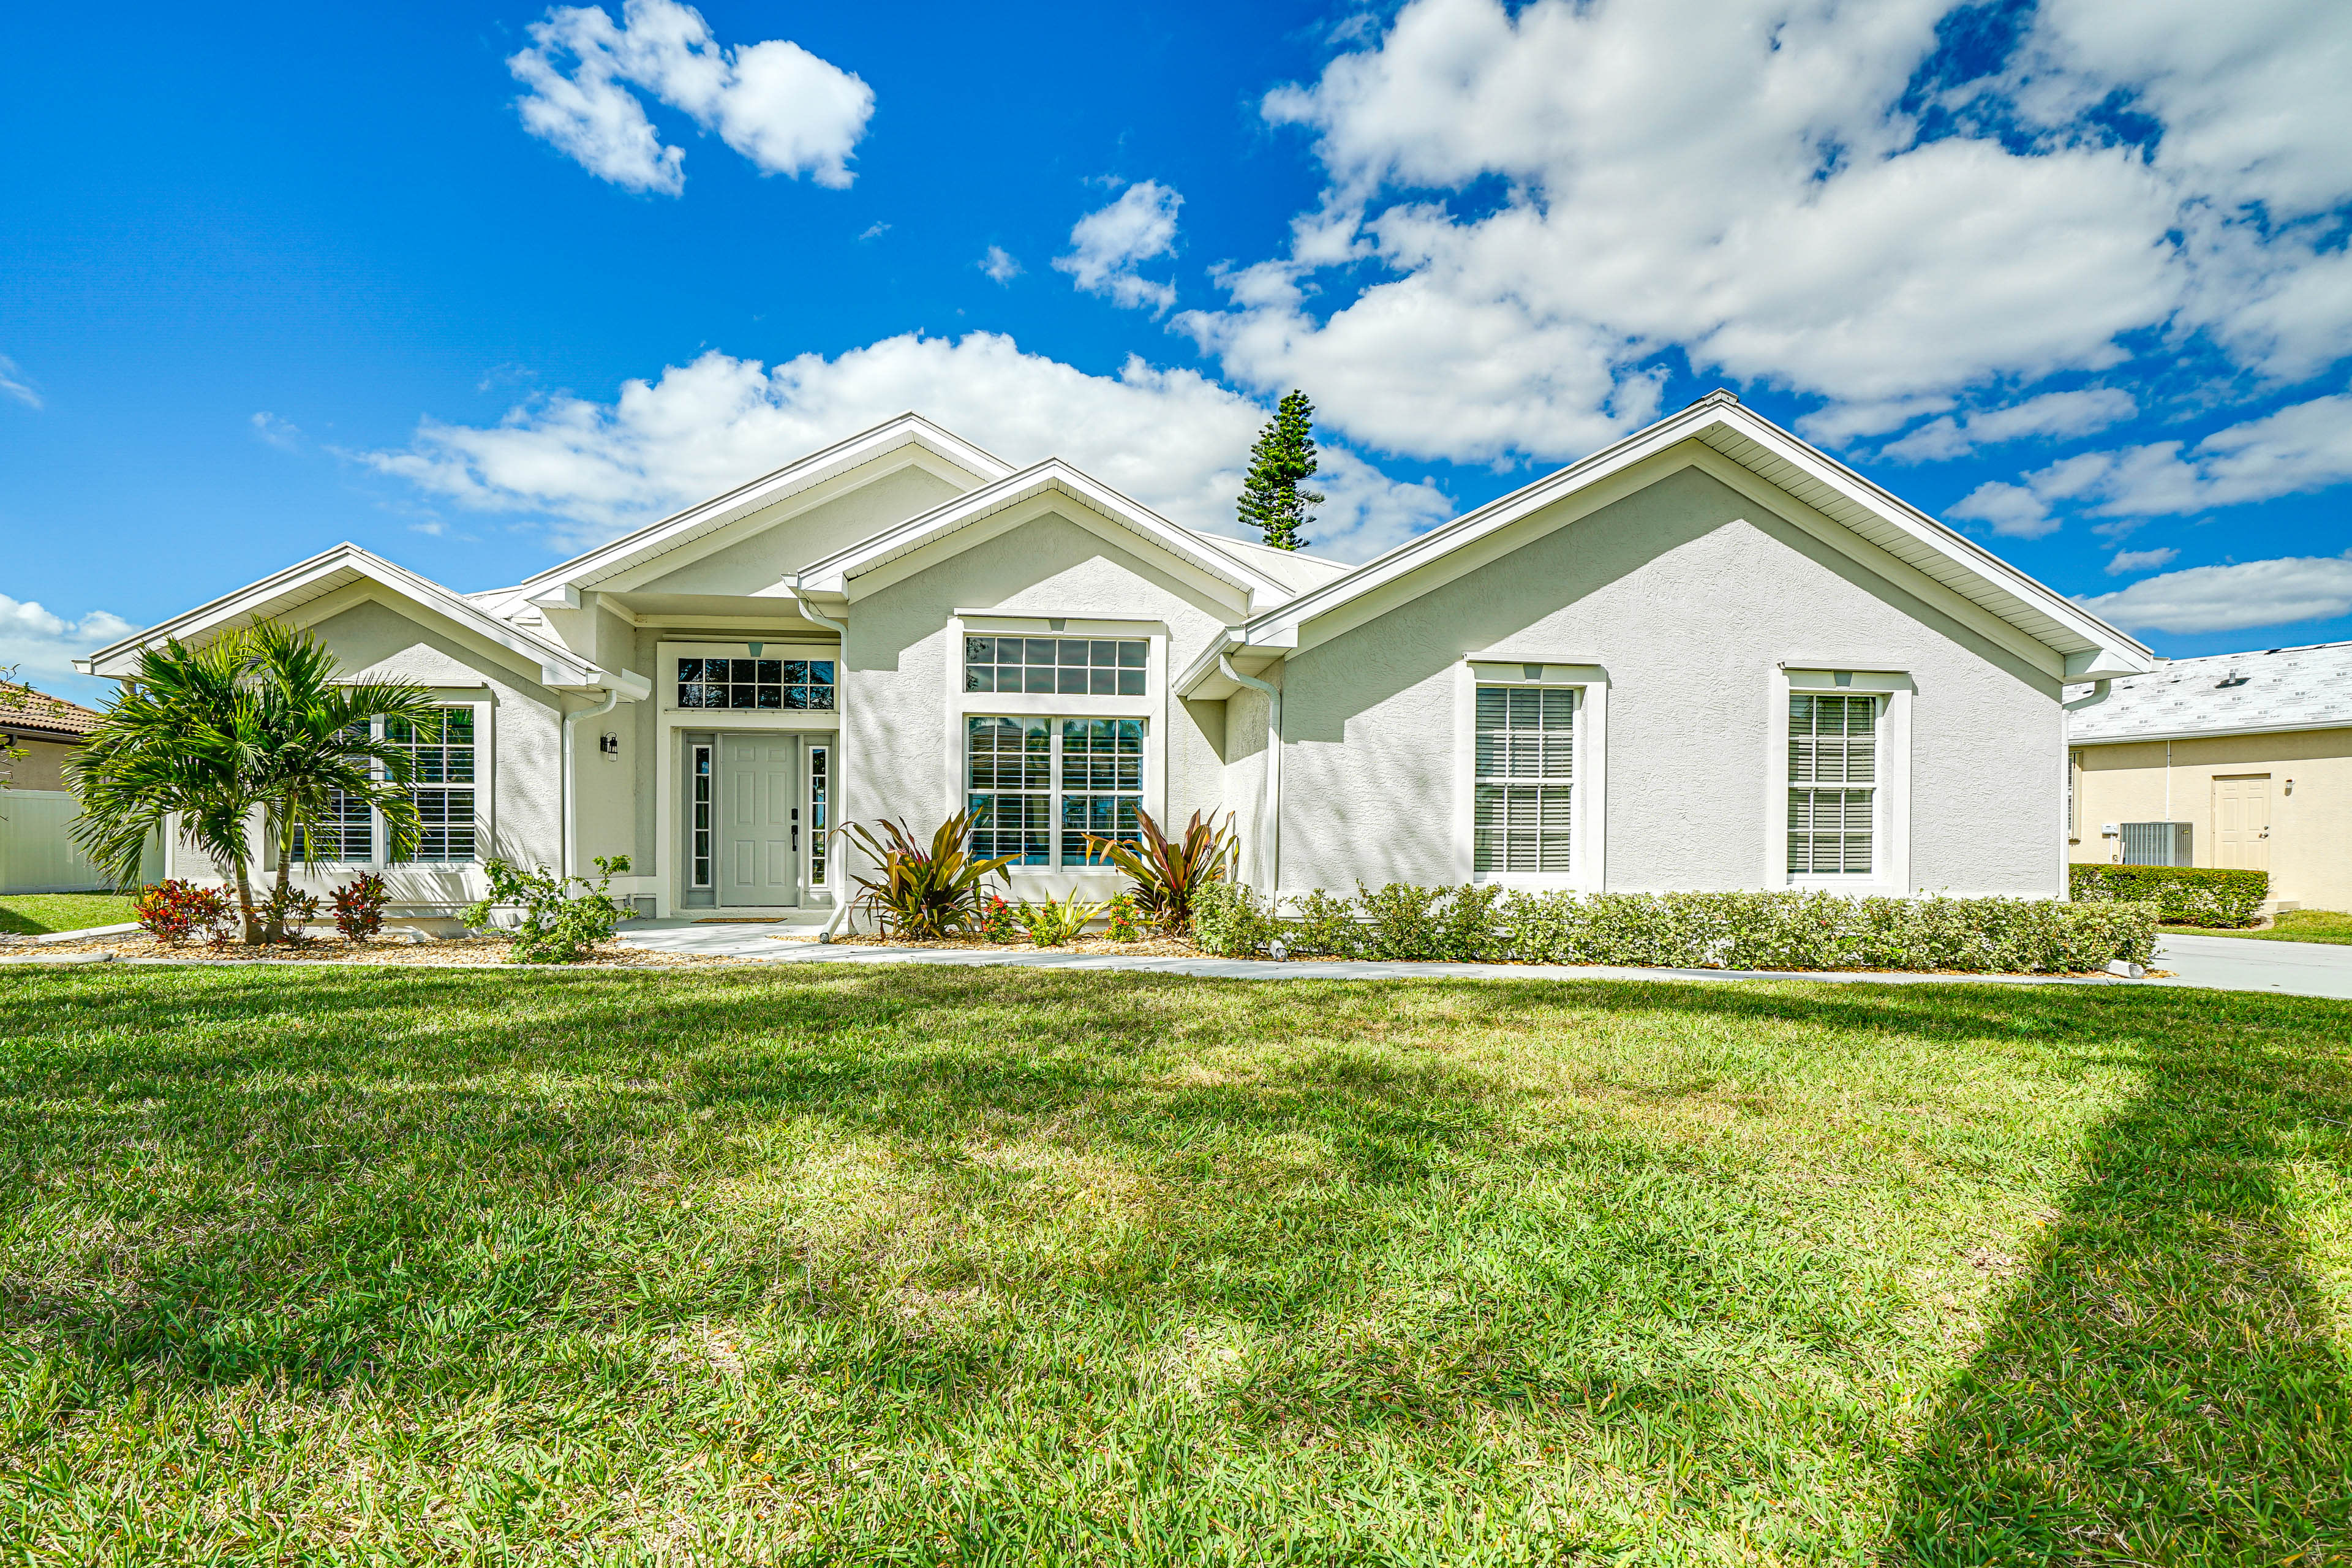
742,921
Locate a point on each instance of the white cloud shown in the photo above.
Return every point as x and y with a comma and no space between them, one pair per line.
2230,598
1740,180
14,384
1107,245
875,231
777,104
2126,561
282,433
43,645
2056,414
1172,439
2297,449
2012,510
1000,264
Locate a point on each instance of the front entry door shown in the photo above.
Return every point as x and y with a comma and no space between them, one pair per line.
759,825
2241,822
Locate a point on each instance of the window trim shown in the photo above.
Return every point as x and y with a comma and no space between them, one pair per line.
1588,797
1890,834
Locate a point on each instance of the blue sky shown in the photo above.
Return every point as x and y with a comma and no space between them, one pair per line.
477,287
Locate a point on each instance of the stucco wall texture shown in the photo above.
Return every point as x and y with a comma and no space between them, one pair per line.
2310,796
903,664
1690,596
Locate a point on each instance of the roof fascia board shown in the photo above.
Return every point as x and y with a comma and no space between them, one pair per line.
768,512
1897,571
368,591
248,602
1607,491
1945,540
2177,735
907,429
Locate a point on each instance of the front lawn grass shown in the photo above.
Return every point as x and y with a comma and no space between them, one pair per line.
36,914
2289,925
914,1265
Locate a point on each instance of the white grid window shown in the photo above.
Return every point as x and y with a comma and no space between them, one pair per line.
1833,783
442,784
1027,775
1525,780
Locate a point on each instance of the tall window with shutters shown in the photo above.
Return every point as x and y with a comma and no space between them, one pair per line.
1833,783
1524,781
1041,789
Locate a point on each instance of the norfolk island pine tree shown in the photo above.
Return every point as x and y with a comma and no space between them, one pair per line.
1271,500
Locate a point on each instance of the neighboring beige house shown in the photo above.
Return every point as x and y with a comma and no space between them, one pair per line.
1708,657
36,852
47,729
2252,750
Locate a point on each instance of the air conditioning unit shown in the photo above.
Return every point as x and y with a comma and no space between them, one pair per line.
2159,844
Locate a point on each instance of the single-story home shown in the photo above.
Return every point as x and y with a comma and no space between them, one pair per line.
1708,657
2237,759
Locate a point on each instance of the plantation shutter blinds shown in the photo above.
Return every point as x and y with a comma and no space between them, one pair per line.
1026,775
1833,783
1525,772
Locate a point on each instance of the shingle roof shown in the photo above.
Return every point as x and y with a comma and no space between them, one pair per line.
22,708
2275,688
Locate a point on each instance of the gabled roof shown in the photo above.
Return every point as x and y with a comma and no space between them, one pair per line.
22,708
2225,694
2084,644
683,528
327,573
833,576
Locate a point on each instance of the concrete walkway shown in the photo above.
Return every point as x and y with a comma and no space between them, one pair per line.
2306,969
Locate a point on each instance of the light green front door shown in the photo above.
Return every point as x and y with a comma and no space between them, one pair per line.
759,825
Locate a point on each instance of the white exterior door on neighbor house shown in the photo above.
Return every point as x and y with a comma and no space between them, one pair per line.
2241,822
758,847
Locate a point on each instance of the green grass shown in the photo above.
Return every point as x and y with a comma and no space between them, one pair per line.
34,914
2292,925
914,1265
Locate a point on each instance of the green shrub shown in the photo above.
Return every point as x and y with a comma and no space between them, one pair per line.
1802,931
1055,923
558,926
2186,895
1228,918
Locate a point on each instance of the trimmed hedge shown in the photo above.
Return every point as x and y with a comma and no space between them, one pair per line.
2183,895
1685,931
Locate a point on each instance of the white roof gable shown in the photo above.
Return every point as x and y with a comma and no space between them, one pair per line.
2225,693
328,573
1908,540
682,529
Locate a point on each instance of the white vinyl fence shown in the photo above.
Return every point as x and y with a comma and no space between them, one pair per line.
36,853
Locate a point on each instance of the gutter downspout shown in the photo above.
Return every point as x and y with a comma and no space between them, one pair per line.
570,792
1273,772
840,762
2099,690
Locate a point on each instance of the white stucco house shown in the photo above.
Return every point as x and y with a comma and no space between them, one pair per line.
1709,656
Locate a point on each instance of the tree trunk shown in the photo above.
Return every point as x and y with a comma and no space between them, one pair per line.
245,906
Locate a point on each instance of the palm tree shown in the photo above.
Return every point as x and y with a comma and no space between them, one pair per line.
252,723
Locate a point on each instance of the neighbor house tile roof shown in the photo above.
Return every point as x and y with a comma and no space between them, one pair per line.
2275,688
22,708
